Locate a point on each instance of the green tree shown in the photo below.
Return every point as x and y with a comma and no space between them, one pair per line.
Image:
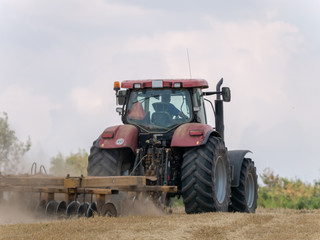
11,148
280,192
58,165
75,164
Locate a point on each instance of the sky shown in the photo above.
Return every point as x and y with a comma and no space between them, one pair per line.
59,59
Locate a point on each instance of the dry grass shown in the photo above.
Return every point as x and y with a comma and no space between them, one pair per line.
265,224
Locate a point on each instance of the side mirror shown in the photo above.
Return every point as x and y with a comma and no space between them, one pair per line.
226,94
121,97
119,110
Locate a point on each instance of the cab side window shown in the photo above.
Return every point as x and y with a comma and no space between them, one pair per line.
199,107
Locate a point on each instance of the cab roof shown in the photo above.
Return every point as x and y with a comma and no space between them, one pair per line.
165,83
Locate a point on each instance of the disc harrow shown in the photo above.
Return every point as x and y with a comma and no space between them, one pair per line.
64,197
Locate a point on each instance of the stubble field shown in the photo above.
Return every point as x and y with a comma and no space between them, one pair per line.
264,224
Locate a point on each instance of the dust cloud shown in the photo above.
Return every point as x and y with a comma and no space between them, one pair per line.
131,204
21,208
17,208
145,207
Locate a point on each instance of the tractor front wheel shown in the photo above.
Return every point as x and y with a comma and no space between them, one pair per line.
206,177
103,162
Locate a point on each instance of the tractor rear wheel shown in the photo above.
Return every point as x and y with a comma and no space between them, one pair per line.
103,162
244,197
206,177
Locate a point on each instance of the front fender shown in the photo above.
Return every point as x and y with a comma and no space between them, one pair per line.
120,136
236,158
191,135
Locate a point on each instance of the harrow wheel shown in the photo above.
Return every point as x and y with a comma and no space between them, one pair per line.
61,209
92,210
72,208
82,209
41,207
51,208
109,210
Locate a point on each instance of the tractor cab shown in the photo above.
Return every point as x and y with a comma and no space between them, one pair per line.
158,109
161,105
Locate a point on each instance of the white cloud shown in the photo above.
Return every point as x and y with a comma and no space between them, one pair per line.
86,101
29,113
97,13
253,57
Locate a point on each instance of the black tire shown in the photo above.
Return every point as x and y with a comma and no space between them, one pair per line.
103,162
244,197
206,177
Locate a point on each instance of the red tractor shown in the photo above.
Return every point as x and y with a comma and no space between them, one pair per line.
165,136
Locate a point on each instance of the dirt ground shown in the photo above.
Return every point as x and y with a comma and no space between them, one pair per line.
264,224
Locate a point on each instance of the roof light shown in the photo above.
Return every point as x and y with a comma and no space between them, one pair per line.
107,135
157,84
177,85
137,85
116,86
196,132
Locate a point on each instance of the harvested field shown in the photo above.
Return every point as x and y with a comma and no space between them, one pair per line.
265,224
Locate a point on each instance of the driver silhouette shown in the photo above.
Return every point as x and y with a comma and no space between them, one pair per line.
166,98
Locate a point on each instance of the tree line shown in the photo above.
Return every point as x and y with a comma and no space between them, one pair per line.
280,192
11,148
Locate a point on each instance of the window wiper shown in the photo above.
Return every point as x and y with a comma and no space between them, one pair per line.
144,99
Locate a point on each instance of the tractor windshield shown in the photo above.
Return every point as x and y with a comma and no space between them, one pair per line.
159,110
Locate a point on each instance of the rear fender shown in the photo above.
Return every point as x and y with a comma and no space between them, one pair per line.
192,134
121,136
236,158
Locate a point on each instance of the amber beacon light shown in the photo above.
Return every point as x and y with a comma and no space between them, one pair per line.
116,86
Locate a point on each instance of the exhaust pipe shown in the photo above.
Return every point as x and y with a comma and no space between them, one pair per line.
219,111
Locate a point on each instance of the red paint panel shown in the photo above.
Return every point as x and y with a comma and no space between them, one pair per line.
182,138
124,136
186,83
